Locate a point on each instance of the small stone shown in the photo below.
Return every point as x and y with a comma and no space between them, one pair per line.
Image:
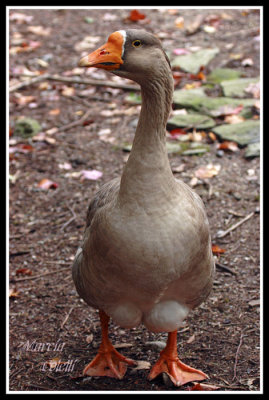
220,153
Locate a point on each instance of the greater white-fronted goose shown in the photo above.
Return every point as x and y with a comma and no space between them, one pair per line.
146,255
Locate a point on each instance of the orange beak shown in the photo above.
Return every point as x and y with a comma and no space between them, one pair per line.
107,56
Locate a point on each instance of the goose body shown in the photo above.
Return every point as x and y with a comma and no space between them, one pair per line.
146,254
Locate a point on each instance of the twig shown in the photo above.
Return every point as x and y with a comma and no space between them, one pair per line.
224,268
67,316
41,275
221,234
237,353
74,123
59,78
28,82
71,219
242,32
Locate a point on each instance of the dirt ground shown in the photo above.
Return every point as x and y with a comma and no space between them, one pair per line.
53,333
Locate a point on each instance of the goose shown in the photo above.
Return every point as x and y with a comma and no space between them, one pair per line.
146,255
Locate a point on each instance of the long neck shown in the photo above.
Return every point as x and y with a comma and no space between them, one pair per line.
147,178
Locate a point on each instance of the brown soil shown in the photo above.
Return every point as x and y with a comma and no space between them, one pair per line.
222,336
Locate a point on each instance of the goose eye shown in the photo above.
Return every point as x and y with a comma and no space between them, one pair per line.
136,43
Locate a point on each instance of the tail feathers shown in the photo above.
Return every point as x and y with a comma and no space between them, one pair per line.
166,316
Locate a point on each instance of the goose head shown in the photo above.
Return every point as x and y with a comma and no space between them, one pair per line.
133,54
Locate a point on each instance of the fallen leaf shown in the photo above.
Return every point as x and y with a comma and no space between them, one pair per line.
74,71
227,110
180,51
54,111
235,56
54,362
213,20
22,70
227,145
51,131
142,365
47,184
109,17
39,30
74,174
135,16
179,22
66,165
86,43
192,85
91,174
13,178
106,131
32,45
89,338
23,100
68,91
191,339
254,303
20,18
254,89
234,119
41,137
177,132
87,122
173,11
203,386
217,250
21,148
212,136
207,171
108,139
13,293
23,271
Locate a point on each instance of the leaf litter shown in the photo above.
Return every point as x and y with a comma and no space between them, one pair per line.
34,211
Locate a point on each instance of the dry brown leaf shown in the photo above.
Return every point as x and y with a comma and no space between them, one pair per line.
23,100
23,271
89,338
39,30
68,91
55,111
207,171
20,18
227,145
47,184
179,22
13,293
136,16
234,119
254,303
217,250
142,364
212,136
254,89
191,339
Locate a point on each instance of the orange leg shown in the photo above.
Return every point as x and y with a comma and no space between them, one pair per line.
169,362
108,361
